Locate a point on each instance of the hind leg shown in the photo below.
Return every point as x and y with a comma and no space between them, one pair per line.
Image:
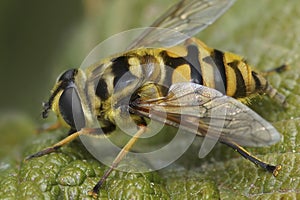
272,92
279,69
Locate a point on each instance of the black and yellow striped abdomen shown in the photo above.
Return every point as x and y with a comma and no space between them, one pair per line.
226,72
193,62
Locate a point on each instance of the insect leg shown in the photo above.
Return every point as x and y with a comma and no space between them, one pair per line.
270,168
61,143
46,128
279,69
117,160
274,94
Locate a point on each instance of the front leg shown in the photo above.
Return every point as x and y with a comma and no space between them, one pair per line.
47,127
71,137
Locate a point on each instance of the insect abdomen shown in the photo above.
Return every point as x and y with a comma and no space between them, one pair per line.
223,71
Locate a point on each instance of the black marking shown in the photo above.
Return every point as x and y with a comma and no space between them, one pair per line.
192,59
107,126
66,79
46,108
71,131
217,63
108,129
101,90
119,67
173,63
220,85
68,75
240,83
195,66
258,85
48,105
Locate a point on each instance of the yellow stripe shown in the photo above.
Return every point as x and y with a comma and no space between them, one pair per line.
231,81
177,51
207,70
247,76
181,74
135,67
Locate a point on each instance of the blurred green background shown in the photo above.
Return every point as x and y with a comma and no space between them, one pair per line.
33,34
39,39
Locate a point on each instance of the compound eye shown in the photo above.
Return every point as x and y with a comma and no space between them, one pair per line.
67,75
70,108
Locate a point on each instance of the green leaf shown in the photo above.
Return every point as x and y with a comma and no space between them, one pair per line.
267,34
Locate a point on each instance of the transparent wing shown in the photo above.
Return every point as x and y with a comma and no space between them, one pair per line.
207,112
183,20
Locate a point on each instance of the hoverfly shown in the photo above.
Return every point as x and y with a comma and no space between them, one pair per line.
178,83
